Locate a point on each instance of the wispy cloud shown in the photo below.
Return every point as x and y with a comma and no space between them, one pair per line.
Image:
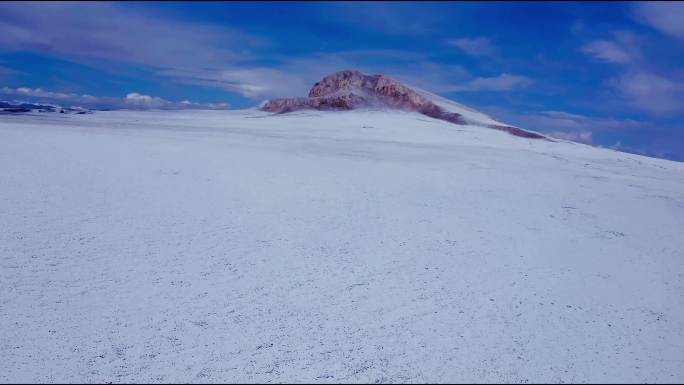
665,16
636,84
203,54
38,93
566,125
570,122
623,48
479,46
294,76
7,72
220,57
575,136
99,34
607,51
503,82
635,135
253,83
651,92
107,31
132,100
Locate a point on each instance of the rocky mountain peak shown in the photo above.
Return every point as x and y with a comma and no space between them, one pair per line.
350,89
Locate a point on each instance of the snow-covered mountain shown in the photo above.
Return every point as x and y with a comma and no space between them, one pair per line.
25,107
349,90
370,245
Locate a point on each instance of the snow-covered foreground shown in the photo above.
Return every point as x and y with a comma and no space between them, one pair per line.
341,246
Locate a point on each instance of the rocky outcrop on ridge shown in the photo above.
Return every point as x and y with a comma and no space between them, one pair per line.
348,90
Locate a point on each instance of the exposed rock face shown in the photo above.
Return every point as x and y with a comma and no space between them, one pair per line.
347,90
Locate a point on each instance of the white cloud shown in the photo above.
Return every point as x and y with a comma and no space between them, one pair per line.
576,136
666,16
132,100
253,83
137,100
623,48
567,125
654,93
107,31
478,46
565,121
134,96
607,51
296,76
503,82
651,92
105,34
43,94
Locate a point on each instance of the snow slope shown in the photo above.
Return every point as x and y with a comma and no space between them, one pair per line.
360,246
470,115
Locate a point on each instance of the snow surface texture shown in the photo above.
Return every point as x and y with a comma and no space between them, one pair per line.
361,246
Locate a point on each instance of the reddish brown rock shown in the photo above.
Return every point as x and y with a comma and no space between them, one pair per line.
347,90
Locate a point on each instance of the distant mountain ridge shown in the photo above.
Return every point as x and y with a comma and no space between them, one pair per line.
24,107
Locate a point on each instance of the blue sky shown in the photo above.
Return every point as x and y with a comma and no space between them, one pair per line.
609,74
